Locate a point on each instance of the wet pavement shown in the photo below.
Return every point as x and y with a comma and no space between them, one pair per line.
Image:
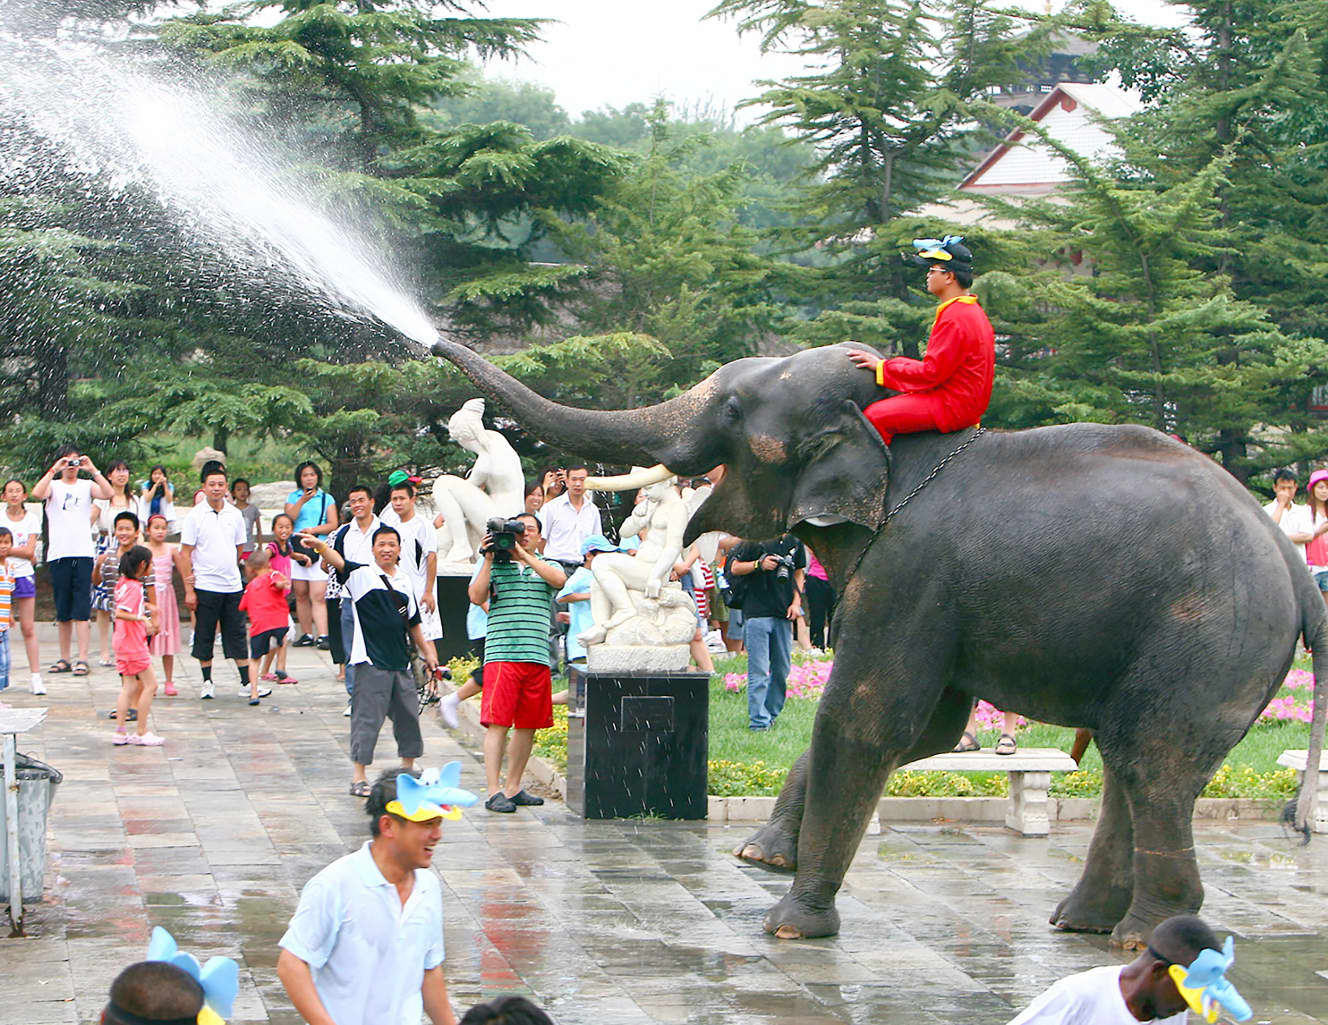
627,922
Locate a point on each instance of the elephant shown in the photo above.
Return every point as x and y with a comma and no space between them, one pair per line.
1104,577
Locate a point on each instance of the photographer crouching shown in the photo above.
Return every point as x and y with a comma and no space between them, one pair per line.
519,586
770,576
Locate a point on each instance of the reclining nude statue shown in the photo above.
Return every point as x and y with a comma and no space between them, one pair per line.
492,488
944,600
642,620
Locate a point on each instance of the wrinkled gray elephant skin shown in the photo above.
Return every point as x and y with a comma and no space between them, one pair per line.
1085,575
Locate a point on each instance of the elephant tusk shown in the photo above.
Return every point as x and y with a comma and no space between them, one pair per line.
640,477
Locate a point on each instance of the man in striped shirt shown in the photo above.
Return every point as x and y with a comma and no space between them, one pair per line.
518,685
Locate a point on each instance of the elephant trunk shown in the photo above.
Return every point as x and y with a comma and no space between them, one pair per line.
673,432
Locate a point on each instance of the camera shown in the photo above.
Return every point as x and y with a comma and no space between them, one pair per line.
785,564
75,462
503,534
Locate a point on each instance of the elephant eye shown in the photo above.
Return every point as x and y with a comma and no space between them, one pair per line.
732,409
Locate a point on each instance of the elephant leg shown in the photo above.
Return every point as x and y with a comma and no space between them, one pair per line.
1102,896
775,845
1160,780
863,729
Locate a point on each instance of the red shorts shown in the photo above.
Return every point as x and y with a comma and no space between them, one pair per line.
133,664
517,694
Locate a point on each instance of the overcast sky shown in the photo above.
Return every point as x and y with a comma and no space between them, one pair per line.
612,52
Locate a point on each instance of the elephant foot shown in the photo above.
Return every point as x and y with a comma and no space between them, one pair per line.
791,920
1131,933
771,847
1079,913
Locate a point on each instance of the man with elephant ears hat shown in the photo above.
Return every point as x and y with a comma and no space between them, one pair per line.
950,387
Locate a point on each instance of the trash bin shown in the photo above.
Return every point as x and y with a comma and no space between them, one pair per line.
35,782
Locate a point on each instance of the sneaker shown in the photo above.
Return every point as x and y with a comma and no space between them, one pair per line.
206,693
526,800
303,641
346,713
170,690
148,739
500,802
447,710
120,738
37,686
324,643
263,692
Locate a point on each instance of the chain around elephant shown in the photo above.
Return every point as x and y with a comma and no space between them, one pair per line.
643,620
493,487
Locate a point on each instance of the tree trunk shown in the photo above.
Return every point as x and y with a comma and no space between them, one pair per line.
221,437
51,373
1231,446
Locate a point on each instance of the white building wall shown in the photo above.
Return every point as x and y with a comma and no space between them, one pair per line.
1029,164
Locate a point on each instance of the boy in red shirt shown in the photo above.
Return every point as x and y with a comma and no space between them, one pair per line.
950,387
269,616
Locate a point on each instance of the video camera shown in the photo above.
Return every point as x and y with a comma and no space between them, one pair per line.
503,534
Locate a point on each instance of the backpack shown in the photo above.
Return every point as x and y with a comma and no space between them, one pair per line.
733,589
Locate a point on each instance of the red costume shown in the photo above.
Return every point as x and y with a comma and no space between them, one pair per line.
950,387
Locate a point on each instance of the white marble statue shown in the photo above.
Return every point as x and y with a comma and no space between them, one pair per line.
642,619
493,487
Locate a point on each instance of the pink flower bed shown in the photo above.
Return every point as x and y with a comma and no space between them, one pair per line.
808,680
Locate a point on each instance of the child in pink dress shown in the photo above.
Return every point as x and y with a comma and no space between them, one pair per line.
133,623
166,641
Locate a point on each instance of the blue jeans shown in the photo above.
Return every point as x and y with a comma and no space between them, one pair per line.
4,658
769,655
347,639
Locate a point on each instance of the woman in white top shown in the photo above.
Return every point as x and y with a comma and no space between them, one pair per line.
25,525
106,510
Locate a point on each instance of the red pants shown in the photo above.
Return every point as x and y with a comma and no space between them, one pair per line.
906,414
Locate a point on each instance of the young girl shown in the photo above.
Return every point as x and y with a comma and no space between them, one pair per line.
269,619
158,498
133,624
105,511
25,525
1316,552
106,570
166,641
253,525
280,551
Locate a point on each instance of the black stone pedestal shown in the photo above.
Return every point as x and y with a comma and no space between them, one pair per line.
637,744
452,608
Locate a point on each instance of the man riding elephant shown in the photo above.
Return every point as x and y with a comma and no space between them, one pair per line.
950,387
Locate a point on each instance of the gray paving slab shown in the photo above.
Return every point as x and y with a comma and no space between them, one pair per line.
638,923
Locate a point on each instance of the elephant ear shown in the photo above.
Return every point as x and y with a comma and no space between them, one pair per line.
845,470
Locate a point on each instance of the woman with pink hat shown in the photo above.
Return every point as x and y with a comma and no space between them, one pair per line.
1316,552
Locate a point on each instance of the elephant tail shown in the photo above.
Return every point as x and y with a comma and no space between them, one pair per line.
1315,633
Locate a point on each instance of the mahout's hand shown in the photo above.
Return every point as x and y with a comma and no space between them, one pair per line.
864,360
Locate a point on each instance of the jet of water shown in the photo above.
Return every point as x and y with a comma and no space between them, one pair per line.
127,127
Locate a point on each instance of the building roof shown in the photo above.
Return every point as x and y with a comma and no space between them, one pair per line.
1070,113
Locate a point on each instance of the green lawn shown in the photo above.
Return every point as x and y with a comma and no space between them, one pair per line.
747,763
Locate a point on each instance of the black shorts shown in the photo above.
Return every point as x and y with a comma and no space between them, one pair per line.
219,608
261,644
71,580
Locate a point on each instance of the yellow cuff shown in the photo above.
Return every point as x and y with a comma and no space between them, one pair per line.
880,373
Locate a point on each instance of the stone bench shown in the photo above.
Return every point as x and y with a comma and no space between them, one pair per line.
1030,772
1295,759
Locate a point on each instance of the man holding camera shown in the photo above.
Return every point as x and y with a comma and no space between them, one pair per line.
519,586
772,573
69,551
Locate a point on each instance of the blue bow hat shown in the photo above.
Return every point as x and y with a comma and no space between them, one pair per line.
950,252
436,794
220,977
1204,984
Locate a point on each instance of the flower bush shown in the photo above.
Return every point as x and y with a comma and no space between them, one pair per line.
1285,707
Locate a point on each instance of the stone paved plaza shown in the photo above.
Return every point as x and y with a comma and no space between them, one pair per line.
611,923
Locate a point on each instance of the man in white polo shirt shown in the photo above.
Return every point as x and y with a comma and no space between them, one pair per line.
419,548
365,946
211,539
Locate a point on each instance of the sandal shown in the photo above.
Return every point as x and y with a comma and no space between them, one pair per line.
360,788
62,666
967,743
80,668
1006,745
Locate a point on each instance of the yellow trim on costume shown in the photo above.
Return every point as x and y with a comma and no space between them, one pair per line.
425,812
969,299
936,254
1193,997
